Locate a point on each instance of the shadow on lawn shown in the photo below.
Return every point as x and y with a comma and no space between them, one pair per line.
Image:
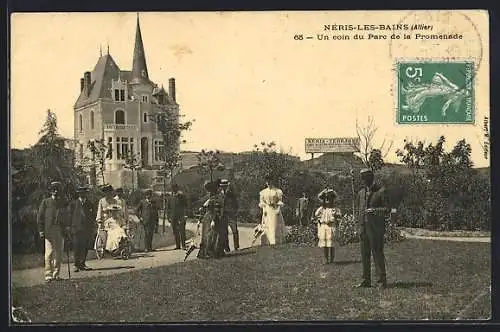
241,253
409,284
347,262
113,268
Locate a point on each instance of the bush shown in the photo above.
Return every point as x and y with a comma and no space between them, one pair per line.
347,233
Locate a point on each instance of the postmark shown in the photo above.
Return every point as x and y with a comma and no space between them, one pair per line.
435,92
447,37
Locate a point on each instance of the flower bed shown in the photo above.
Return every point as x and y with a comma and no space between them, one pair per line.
347,232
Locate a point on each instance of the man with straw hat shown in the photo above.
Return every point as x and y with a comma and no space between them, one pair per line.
50,220
373,208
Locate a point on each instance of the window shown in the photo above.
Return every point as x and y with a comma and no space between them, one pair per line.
81,151
124,147
91,119
109,153
144,99
145,117
119,117
117,95
122,95
158,150
80,123
118,148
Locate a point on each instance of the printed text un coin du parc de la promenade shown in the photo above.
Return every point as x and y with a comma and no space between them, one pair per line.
420,31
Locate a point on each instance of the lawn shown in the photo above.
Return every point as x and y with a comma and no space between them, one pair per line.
427,280
28,261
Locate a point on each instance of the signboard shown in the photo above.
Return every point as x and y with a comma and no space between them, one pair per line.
338,144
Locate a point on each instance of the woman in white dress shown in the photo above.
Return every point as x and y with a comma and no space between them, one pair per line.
112,226
271,202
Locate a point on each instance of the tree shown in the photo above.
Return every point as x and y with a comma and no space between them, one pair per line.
210,161
99,151
133,163
442,191
373,157
50,161
171,130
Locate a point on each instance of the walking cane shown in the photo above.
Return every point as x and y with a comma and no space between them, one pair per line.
67,253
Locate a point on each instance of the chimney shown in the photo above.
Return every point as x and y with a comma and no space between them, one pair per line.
87,82
171,88
82,84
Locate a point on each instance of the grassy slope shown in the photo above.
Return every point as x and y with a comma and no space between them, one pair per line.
427,279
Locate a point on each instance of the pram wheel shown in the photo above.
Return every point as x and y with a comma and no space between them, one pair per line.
125,253
99,253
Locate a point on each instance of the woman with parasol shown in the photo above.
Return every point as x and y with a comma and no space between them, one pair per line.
213,234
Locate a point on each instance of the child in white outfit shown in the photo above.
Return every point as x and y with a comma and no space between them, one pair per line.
327,217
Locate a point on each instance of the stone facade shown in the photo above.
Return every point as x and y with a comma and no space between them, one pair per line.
119,107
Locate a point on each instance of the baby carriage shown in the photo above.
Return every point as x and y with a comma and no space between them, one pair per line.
124,248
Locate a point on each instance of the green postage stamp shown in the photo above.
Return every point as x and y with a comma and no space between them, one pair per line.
435,92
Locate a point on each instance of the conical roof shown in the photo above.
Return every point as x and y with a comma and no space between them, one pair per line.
139,66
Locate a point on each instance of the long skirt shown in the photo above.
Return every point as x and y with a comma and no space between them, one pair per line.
274,227
213,238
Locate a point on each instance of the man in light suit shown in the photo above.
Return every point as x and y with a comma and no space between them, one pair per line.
373,206
51,227
82,227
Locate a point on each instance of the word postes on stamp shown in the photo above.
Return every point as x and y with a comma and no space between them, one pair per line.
435,92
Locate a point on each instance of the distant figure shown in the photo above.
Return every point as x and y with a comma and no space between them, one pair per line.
229,210
271,201
373,205
302,210
327,216
82,227
123,216
176,210
147,211
51,227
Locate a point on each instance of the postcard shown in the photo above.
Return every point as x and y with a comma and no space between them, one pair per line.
275,166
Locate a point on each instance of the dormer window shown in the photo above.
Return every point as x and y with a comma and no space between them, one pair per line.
119,95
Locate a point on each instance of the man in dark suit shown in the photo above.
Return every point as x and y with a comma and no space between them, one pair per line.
147,212
373,206
302,211
229,210
82,226
176,210
52,227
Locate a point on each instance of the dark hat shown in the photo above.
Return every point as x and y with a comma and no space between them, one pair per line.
55,185
119,190
327,194
366,171
114,207
82,189
211,186
107,188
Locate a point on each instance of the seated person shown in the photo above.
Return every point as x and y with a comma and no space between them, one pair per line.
112,225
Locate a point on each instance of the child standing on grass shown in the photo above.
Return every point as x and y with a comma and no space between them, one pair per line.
327,217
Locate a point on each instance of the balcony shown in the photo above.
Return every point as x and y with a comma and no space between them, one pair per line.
113,127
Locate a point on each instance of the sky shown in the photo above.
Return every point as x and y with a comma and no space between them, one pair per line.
242,76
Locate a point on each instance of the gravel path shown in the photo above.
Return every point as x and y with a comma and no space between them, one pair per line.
108,266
